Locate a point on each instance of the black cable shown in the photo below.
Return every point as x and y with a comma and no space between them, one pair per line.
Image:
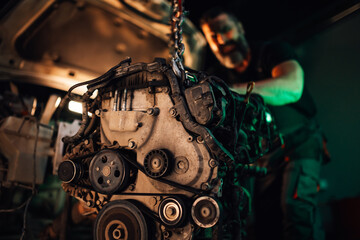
14,209
103,77
25,217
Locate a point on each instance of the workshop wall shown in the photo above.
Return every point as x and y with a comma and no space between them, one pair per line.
331,61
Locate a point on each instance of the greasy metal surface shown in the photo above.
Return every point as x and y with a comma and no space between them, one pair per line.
205,212
156,132
120,218
108,172
144,114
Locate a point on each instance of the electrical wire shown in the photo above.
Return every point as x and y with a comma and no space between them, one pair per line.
14,209
102,78
33,193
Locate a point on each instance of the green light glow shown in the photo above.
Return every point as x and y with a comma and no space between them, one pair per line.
268,117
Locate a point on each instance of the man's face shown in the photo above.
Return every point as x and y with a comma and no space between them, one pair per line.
226,38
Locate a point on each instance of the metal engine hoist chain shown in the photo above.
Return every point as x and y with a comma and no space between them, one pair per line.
177,18
177,48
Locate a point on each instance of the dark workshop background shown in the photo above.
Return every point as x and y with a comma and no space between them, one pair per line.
326,37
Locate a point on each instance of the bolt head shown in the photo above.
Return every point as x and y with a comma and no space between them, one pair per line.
205,186
181,165
166,90
166,234
131,144
150,111
199,139
173,112
213,163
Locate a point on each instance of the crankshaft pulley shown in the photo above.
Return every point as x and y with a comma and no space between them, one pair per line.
120,220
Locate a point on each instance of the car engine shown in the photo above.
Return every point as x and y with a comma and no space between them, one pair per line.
162,152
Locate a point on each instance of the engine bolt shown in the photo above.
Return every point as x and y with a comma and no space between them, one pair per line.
181,165
213,163
153,111
131,144
150,111
86,142
97,169
173,112
97,112
112,163
166,89
166,234
205,186
89,203
131,187
108,181
118,22
190,139
199,139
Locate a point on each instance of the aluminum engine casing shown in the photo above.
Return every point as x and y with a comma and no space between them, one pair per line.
143,132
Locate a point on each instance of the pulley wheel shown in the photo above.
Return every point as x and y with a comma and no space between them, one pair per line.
156,163
172,211
205,212
120,220
108,172
69,171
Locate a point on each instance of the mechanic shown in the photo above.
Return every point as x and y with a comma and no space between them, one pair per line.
285,199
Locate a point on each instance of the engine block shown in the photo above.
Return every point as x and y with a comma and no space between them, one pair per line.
164,152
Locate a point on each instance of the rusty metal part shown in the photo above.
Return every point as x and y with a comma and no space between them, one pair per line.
172,211
156,163
163,154
120,220
108,172
205,212
177,18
